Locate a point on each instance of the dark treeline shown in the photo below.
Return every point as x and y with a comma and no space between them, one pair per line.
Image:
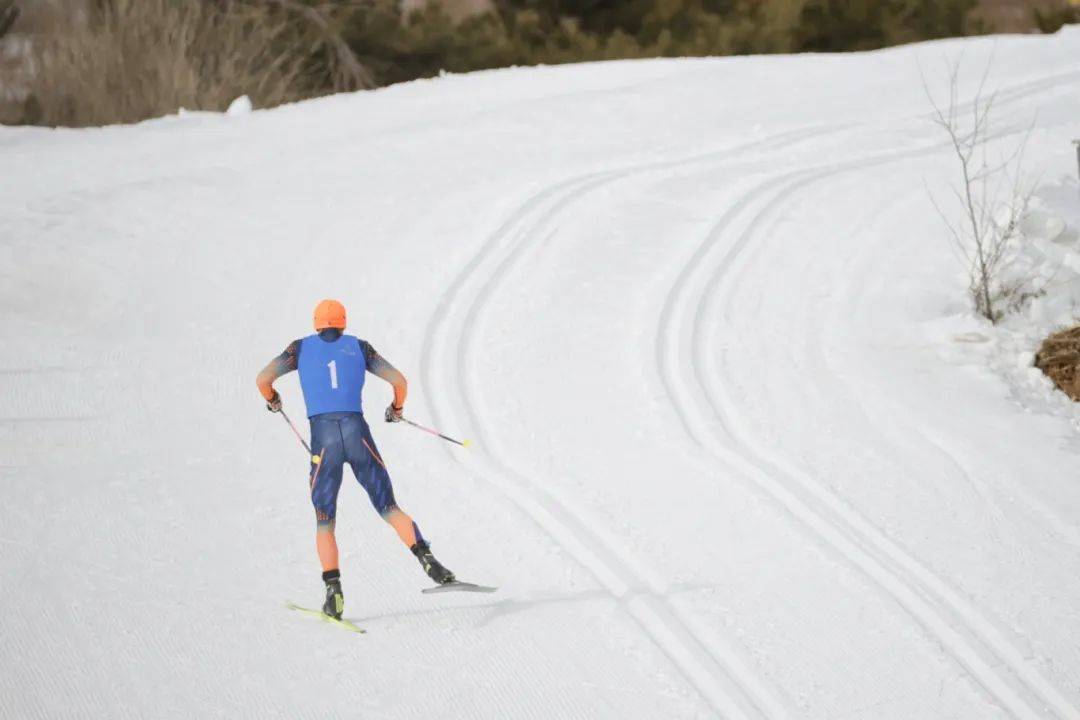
126,60
529,32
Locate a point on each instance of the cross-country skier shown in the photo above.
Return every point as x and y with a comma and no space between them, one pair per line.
332,368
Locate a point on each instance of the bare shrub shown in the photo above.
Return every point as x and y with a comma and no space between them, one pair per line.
128,60
9,13
1059,358
343,69
992,198
13,52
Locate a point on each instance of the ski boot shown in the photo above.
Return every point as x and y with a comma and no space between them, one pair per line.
432,567
335,599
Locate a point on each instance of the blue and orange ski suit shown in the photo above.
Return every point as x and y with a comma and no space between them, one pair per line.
332,367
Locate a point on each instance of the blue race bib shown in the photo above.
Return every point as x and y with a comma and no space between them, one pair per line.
331,374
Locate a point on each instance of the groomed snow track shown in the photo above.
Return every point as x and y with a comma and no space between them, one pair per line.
721,674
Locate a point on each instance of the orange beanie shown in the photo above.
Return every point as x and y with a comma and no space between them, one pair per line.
329,314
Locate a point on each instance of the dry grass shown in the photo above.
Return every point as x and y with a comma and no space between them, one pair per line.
1016,16
1059,358
128,60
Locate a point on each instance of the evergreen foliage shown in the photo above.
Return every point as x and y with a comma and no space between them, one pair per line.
1050,21
530,32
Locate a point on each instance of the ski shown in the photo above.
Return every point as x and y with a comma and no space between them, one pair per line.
458,586
343,623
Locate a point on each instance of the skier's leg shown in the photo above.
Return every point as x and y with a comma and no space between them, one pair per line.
325,482
371,473
403,525
326,545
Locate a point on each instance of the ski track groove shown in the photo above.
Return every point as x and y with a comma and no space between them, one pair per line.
656,617
923,595
717,673
868,420
956,466
1053,521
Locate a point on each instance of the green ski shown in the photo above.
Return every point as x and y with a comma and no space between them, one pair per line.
343,623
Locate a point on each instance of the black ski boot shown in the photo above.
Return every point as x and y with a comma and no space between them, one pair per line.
335,599
432,567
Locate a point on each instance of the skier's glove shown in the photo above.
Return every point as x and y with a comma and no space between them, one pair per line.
393,414
274,403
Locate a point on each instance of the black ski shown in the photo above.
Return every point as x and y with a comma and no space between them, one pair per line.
458,586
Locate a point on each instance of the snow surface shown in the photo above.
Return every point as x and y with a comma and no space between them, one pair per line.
741,448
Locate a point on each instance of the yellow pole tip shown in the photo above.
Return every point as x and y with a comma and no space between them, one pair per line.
316,459
466,443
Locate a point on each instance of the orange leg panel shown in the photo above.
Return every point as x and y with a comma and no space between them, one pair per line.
403,525
326,544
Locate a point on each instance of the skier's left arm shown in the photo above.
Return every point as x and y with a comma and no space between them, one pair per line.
380,367
283,364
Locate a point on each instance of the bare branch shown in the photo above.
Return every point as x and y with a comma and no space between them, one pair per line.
356,74
9,13
991,195
958,241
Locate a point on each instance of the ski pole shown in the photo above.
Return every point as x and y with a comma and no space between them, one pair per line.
314,458
436,433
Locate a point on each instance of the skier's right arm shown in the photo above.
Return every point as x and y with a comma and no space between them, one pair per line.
283,364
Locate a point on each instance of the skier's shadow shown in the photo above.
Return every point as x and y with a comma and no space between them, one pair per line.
494,610
511,606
